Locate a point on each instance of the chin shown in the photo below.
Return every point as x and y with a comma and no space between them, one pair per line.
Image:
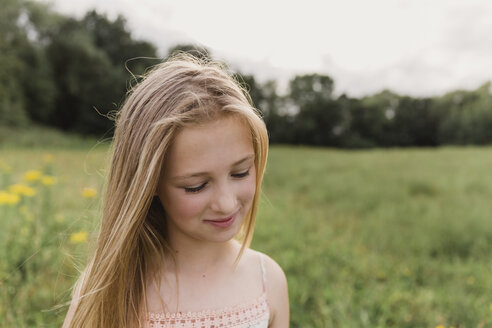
228,234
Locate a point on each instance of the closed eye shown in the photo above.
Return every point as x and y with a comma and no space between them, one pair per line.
203,185
241,174
195,189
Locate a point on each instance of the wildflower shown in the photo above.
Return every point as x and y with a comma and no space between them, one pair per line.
8,198
78,237
21,189
440,326
48,158
490,307
48,180
89,192
32,175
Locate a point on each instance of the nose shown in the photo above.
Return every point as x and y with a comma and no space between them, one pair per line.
224,201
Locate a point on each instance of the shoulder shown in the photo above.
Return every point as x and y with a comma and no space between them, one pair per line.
275,275
277,292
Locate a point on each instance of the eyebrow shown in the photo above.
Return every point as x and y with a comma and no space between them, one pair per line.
199,174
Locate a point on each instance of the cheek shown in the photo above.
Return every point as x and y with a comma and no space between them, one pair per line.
248,189
180,206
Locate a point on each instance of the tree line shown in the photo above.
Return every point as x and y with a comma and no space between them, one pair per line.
73,74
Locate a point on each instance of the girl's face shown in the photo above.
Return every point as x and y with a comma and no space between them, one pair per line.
209,181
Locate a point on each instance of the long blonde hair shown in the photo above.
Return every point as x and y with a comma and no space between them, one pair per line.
181,91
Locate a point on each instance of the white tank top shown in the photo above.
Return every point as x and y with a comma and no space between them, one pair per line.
252,314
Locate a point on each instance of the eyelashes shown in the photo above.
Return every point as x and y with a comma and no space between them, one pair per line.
241,175
193,190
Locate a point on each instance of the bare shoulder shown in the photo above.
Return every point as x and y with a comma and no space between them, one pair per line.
277,293
274,271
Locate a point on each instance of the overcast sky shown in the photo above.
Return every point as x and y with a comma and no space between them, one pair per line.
414,47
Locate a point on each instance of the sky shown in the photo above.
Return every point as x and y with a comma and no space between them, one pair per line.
413,47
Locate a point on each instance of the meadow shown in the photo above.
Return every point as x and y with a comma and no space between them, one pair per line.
373,238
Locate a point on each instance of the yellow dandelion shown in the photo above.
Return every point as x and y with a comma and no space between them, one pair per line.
48,180
89,192
48,158
440,326
21,189
32,175
79,237
8,198
490,307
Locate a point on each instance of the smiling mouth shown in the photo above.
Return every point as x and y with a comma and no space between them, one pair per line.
223,223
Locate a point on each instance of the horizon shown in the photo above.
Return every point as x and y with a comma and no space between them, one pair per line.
412,48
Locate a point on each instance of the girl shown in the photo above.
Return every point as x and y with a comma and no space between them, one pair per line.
189,155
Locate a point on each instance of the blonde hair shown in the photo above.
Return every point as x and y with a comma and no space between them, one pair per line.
177,93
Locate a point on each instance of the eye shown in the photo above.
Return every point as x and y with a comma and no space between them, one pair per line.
241,174
195,189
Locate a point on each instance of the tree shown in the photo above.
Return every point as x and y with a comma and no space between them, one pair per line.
26,87
194,50
84,78
114,39
414,123
318,117
88,59
280,125
254,90
376,122
364,123
13,38
466,116
305,89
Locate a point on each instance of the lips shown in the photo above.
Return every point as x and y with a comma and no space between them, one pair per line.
222,223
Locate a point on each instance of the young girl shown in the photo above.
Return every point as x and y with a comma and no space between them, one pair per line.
189,155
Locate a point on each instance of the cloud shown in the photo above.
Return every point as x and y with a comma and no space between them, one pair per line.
413,47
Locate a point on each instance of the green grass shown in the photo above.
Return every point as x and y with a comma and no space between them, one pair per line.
382,238
40,137
379,238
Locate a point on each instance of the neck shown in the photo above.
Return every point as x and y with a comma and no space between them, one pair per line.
197,257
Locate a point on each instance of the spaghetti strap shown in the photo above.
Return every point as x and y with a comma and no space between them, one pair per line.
263,271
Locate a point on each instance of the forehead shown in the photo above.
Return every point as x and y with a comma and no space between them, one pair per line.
220,142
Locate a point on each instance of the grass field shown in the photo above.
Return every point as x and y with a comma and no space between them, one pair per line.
379,238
